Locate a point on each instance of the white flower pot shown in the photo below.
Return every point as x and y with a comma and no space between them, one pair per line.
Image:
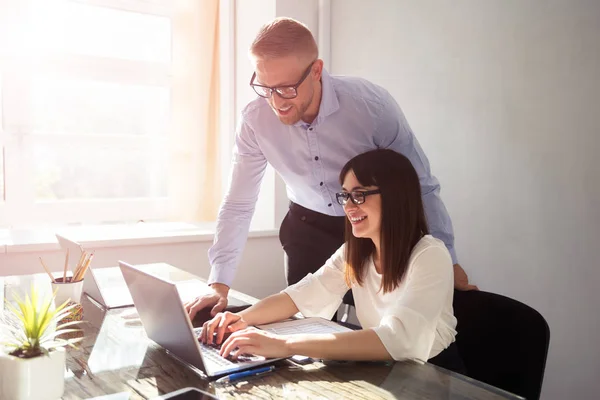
38,378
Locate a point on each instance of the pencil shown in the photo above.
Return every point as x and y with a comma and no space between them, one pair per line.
85,267
81,258
47,271
65,270
80,264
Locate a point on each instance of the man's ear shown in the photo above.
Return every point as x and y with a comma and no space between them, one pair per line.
317,69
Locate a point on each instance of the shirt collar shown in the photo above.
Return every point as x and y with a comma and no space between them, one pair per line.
329,101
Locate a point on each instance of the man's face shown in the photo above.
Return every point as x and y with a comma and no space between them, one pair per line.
287,71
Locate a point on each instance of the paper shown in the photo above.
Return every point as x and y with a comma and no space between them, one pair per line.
304,325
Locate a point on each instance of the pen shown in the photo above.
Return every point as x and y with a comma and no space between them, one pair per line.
244,374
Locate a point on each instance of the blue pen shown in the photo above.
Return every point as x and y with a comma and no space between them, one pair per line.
251,372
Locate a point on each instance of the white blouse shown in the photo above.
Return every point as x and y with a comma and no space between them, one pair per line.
414,321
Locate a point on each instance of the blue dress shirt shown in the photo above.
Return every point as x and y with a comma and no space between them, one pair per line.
355,116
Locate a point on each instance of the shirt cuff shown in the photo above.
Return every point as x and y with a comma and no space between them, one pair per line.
221,274
453,255
406,336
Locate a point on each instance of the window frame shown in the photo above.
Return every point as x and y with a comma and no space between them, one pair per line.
20,207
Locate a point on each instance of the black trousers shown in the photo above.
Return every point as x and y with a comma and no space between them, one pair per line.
308,238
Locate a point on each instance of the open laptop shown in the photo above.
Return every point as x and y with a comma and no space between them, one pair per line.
160,307
106,286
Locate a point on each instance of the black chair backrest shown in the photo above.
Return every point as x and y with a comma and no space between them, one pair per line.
502,341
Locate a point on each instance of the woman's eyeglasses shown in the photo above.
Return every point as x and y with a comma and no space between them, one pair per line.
357,197
285,92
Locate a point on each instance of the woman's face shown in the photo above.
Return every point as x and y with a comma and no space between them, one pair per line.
366,217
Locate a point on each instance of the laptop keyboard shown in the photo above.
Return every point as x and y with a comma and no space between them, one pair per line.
210,352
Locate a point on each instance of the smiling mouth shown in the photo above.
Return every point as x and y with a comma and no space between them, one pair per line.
284,110
356,220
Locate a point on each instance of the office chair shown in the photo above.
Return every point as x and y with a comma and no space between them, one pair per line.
502,341
348,301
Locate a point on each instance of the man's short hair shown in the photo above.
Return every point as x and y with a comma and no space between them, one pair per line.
284,37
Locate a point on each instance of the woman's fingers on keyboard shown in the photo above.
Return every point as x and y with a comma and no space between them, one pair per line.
226,320
231,343
213,325
202,336
221,329
244,353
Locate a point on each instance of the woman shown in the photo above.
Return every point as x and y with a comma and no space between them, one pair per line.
400,276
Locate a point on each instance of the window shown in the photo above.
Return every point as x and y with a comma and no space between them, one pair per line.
90,109
1,174
1,153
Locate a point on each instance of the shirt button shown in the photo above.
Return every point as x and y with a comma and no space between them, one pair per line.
329,205
310,129
303,218
321,184
316,158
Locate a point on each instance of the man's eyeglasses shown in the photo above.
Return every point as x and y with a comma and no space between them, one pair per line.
357,197
285,92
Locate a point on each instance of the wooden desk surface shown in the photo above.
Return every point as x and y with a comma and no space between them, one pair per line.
117,357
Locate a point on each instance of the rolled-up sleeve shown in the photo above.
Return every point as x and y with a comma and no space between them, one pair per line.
408,328
320,294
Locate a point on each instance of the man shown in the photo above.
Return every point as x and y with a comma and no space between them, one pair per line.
307,125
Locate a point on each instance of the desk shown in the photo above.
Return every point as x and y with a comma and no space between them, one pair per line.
117,357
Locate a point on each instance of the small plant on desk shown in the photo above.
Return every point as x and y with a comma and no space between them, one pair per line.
35,368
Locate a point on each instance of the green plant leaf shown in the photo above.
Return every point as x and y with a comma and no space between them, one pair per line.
62,332
35,316
15,311
62,326
46,315
62,343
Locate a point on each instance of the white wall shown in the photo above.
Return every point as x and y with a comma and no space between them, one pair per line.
505,97
259,274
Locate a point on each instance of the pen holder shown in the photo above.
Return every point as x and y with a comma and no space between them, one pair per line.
67,290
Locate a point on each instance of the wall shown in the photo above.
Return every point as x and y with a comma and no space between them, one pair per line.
504,96
260,272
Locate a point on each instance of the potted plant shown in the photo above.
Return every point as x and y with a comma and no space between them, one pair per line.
34,369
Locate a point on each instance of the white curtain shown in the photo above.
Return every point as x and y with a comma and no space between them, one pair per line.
194,176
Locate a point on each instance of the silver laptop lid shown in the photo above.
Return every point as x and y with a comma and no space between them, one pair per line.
75,250
162,314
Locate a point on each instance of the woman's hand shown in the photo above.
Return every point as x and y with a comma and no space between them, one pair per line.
222,323
257,342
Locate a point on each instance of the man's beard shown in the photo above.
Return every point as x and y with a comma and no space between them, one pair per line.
294,117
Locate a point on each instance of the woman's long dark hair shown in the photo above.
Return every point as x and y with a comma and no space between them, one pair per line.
403,221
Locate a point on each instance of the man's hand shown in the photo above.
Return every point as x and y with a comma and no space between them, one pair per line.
217,300
461,280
